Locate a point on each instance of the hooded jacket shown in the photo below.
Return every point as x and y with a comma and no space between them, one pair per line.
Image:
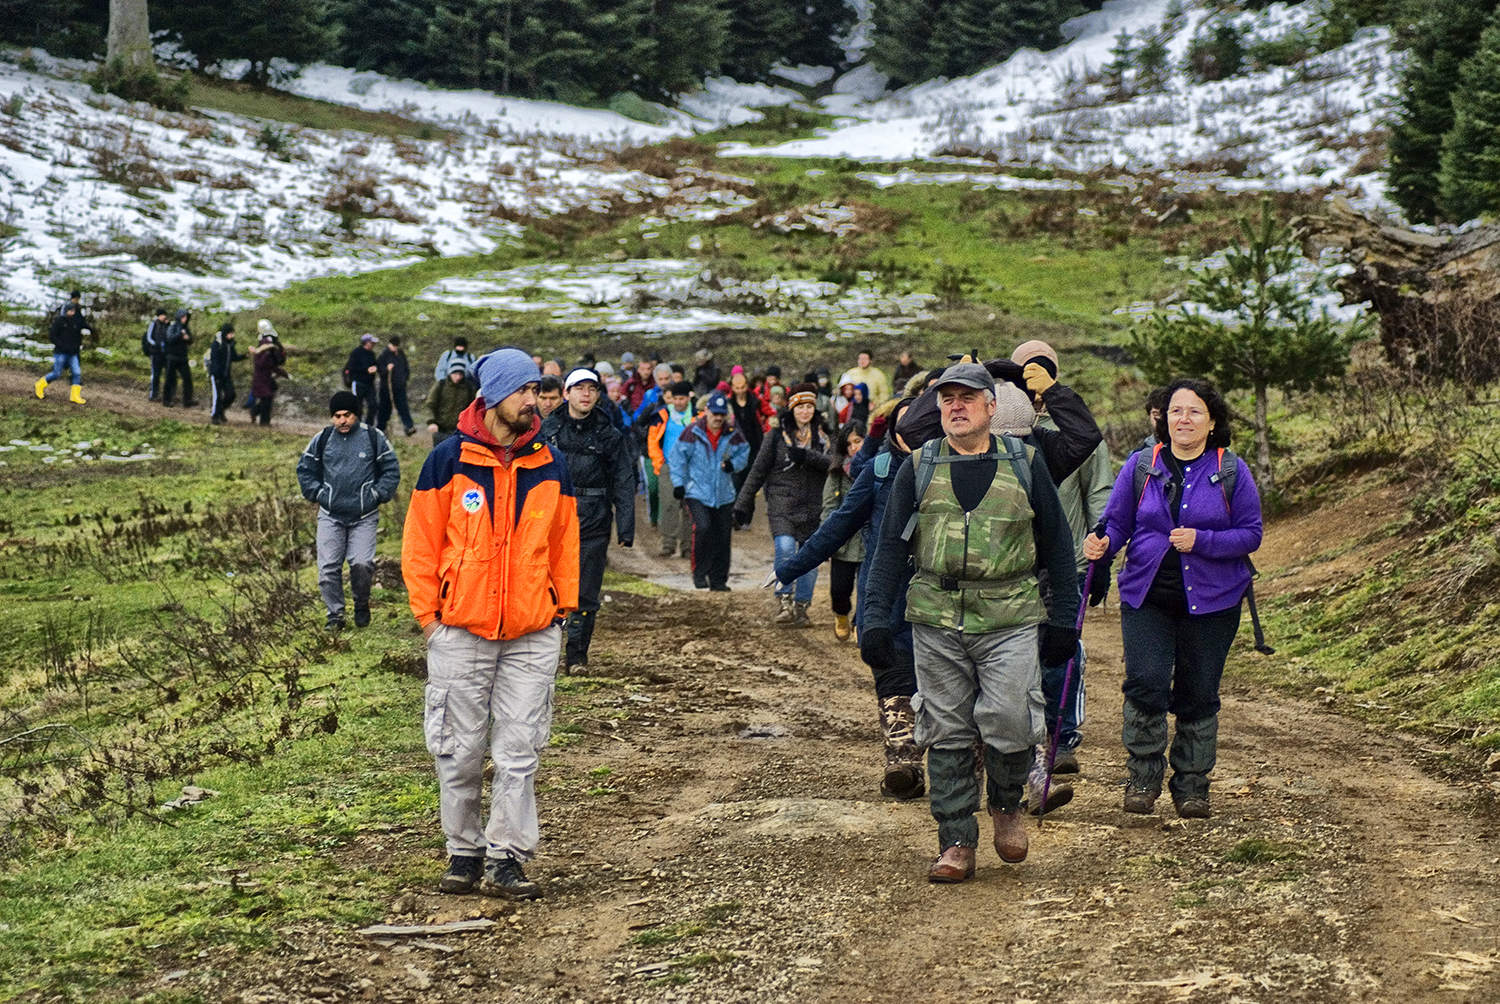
222,353
491,538
601,464
794,490
446,401
67,334
179,336
270,358
349,483
697,465
1215,573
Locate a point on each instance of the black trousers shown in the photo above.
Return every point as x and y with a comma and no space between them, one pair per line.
1174,660
260,410
178,368
223,392
738,479
712,528
158,363
365,391
841,584
393,397
592,552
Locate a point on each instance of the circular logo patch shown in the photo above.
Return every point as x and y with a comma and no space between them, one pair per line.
472,500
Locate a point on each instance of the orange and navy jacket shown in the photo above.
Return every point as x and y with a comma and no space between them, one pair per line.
656,445
491,538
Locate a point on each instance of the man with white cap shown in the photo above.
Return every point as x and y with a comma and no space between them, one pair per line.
1083,494
975,515
490,558
601,464
702,465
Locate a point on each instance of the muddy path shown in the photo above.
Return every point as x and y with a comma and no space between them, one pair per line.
716,834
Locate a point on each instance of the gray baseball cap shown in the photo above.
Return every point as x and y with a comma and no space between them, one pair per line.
966,375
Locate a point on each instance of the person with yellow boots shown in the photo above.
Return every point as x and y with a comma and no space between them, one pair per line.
67,343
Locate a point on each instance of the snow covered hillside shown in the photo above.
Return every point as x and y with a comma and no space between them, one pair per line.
220,209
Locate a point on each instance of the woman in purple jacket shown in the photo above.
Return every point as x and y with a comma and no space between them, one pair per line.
1191,523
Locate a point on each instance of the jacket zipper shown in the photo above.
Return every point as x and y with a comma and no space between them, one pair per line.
961,609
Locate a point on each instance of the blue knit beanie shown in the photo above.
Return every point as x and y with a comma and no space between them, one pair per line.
502,373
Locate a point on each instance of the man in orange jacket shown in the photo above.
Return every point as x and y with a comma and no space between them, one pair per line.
490,558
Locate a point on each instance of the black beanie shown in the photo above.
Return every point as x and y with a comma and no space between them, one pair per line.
344,400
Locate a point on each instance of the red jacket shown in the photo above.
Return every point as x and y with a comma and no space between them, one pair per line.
491,538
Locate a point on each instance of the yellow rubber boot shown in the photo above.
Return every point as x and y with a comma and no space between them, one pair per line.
41,387
77,395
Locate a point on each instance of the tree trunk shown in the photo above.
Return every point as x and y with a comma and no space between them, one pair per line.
129,36
1263,475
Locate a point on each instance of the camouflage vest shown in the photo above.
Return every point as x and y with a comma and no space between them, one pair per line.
975,572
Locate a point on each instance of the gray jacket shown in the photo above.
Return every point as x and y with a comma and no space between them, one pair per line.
348,483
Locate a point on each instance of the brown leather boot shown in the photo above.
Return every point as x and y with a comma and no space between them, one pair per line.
954,865
903,760
1010,836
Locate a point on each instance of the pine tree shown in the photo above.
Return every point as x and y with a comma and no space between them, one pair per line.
684,40
1122,60
814,43
297,31
382,35
1469,172
903,38
1446,35
1272,338
1153,64
758,32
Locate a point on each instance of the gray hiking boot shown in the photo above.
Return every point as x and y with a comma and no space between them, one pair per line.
462,875
799,615
1065,762
1058,795
504,878
1193,808
785,614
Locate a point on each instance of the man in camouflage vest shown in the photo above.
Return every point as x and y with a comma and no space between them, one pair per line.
975,534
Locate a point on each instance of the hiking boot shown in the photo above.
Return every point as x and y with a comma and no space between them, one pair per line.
903,760
1058,795
1192,808
76,395
169,403
1141,801
190,404
462,875
784,616
1065,762
40,387
504,878
954,865
841,628
718,589
1010,836
799,615
334,625
361,616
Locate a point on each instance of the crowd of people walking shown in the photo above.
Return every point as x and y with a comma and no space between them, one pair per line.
968,512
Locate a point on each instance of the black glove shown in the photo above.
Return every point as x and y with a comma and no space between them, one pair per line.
679,492
741,518
1058,644
1099,588
727,467
876,648
797,454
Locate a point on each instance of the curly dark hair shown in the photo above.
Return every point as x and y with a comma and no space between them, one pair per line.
1218,411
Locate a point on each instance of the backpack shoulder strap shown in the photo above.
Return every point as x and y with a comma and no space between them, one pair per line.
926,461
883,465
323,438
1020,461
1143,471
1229,473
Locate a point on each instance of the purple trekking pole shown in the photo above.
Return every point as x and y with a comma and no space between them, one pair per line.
1083,605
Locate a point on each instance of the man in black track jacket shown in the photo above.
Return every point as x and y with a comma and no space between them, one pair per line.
601,464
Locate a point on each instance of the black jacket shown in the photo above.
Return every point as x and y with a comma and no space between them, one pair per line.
794,490
357,370
154,340
397,377
67,334
221,353
705,379
747,420
601,465
179,337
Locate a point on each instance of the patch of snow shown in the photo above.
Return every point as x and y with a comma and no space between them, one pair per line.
807,76
724,101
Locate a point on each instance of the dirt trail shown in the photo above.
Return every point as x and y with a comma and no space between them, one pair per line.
743,853
125,397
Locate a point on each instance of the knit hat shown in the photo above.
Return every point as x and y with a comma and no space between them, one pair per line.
503,372
226,328
627,358
802,393
681,387
604,369
1036,351
458,366
1013,411
344,400
717,403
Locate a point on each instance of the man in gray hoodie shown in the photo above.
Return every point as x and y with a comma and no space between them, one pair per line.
349,470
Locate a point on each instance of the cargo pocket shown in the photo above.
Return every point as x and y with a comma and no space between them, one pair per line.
437,724
922,725
543,734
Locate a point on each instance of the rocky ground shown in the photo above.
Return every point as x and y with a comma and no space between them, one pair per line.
713,832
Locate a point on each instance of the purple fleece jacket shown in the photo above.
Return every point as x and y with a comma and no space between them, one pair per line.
1215,571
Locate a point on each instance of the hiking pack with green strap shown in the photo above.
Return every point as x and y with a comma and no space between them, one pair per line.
928,459
1226,477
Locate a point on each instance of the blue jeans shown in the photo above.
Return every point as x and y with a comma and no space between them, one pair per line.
1071,704
68,361
786,546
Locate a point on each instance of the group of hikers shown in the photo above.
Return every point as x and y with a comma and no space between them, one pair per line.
973,507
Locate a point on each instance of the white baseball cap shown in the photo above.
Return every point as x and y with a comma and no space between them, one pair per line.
578,376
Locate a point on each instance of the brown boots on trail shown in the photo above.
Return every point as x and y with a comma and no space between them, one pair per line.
903,760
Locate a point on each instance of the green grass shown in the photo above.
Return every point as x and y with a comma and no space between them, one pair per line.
1260,851
777,124
237,98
